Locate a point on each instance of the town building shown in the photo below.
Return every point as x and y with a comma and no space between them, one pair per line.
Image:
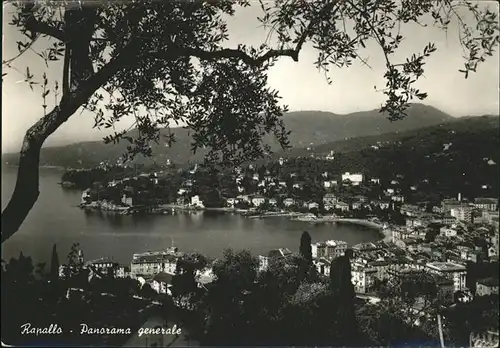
449,270
86,197
398,198
489,204
329,183
462,213
448,232
445,289
312,205
342,206
274,255
287,202
258,200
363,277
486,339
400,234
381,204
487,286
103,267
127,201
328,250
162,283
355,179
323,266
150,263
196,202
330,199
413,222
490,216
230,202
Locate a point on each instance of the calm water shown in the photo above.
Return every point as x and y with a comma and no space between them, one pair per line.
56,218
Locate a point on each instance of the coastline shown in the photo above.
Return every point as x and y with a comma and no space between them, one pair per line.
292,216
382,229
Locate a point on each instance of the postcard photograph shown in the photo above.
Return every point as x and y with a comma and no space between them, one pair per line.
181,173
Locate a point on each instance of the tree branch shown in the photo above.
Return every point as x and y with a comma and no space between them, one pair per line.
235,53
26,191
253,61
21,52
36,26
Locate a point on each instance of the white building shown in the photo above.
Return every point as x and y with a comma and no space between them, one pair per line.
363,277
449,270
328,250
462,213
274,255
287,202
128,201
153,262
162,283
86,196
355,179
313,205
231,202
258,200
323,266
243,198
489,204
342,206
330,199
196,202
447,232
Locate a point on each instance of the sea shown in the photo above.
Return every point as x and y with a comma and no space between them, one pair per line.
57,219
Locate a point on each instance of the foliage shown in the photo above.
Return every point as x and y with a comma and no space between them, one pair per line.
280,305
477,316
305,246
480,270
54,264
184,281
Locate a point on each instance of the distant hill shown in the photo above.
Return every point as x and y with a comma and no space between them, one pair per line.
308,128
439,161
487,126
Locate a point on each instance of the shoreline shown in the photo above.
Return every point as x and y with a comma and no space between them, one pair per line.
382,229
292,216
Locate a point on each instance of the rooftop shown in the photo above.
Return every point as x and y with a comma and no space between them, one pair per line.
163,277
281,252
156,256
332,243
488,281
483,200
446,266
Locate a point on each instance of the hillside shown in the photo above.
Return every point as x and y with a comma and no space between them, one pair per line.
429,163
461,156
421,137
308,128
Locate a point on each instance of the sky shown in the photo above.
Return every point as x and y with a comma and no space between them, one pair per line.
300,84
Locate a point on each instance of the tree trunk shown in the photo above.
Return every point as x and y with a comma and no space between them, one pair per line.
26,190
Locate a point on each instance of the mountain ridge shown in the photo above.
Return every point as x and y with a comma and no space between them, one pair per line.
308,128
